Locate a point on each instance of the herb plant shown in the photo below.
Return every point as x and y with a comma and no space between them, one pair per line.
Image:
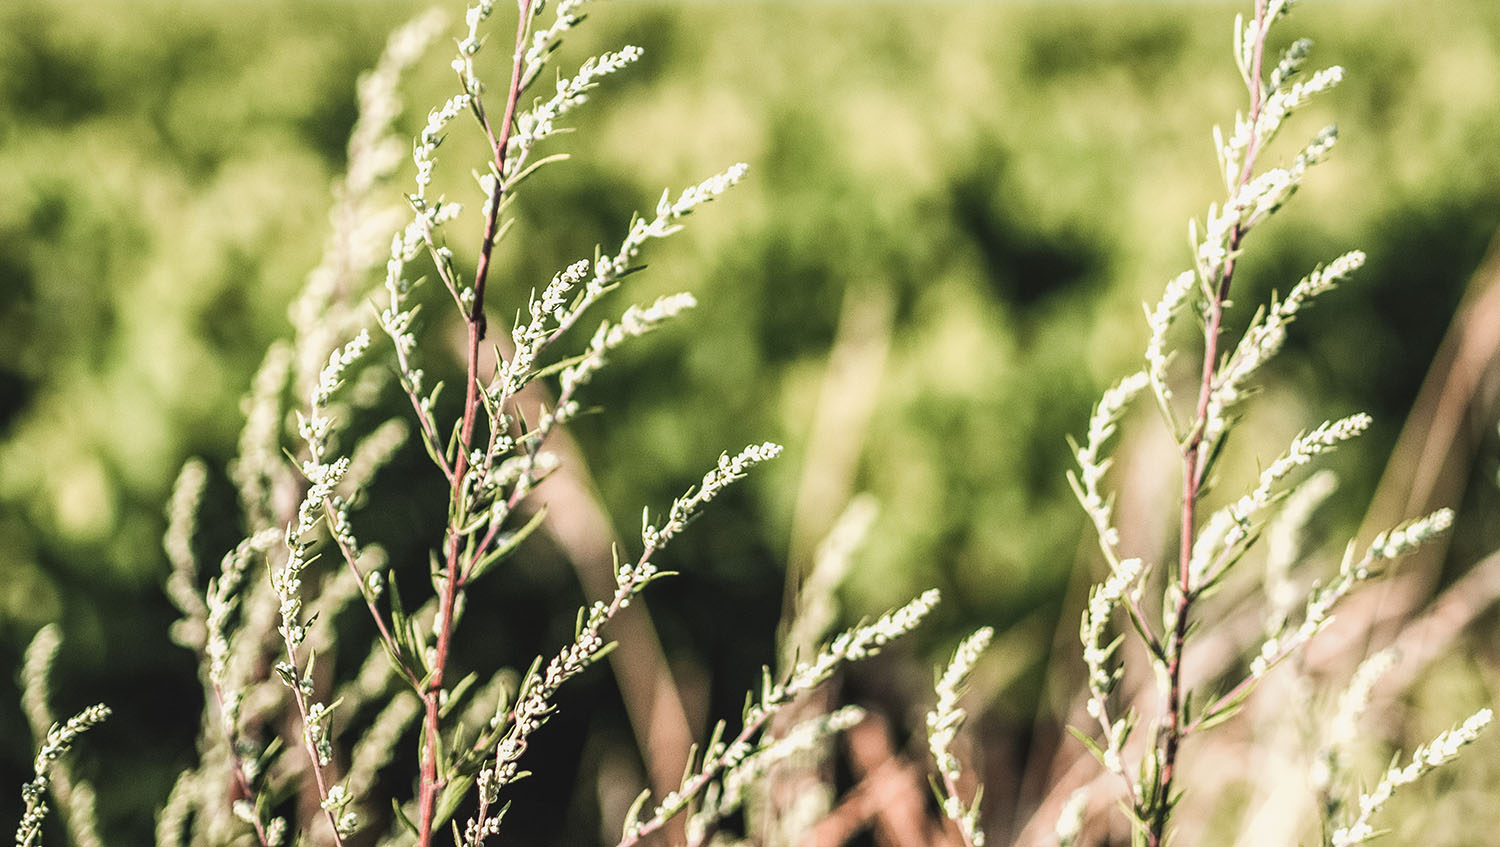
1210,546
293,752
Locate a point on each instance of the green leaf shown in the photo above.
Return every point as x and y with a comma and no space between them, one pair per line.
450,452
456,694
506,223
453,794
534,167
557,367
476,522
1143,629
1215,449
529,679
690,767
401,625
402,818
716,741
1088,742
506,544
1222,711
936,788
633,816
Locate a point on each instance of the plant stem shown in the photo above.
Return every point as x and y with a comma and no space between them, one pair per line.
237,767
699,781
431,785
350,559
1195,467
319,778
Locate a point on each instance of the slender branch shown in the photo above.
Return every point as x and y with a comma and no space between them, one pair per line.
530,712
386,637
447,595
299,697
699,781
424,420
237,767
1195,464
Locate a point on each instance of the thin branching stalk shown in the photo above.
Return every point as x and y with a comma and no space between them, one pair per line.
58,742
1439,752
1193,464
310,718
223,601
338,528
75,797
720,757
1209,548
430,785
943,723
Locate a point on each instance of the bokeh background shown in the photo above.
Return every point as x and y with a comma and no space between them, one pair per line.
954,213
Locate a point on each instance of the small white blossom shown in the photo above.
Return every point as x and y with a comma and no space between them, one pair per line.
1440,751
1091,465
943,723
1397,542
729,470
1233,524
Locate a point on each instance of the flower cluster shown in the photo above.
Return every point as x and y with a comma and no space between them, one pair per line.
1440,751
943,723
728,470
720,756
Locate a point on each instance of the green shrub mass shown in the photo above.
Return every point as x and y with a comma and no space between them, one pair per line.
975,198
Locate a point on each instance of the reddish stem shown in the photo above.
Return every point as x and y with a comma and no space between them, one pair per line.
237,767
312,753
431,785
1194,468
348,554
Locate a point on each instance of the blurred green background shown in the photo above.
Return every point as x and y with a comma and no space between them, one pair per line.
973,198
